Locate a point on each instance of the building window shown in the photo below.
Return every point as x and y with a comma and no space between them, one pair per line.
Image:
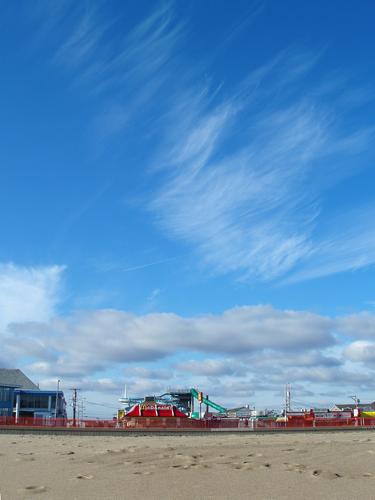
34,401
5,394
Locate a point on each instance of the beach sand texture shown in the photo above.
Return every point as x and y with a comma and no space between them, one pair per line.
217,466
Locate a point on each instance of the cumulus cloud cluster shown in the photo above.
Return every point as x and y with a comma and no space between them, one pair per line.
26,294
93,340
242,350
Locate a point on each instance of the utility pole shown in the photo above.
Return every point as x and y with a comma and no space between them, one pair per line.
288,392
57,397
82,409
356,400
74,404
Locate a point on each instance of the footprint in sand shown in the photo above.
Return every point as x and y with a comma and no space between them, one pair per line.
246,466
85,476
35,489
326,474
237,467
316,473
295,467
25,459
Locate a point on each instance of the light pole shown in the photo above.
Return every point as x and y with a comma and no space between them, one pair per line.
57,396
356,400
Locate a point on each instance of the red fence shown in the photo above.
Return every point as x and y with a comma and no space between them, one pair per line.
177,423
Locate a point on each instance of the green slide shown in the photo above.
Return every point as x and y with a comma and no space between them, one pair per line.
208,402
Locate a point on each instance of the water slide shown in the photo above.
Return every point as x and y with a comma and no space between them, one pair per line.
208,402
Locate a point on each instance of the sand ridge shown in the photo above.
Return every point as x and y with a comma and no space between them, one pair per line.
270,466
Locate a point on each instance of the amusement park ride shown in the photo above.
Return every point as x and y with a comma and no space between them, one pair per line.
192,408
172,403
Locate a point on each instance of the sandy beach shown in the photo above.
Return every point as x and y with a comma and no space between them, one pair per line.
270,466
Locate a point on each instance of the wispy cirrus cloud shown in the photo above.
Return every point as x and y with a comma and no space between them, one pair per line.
84,40
243,169
247,172
103,62
120,58
346,244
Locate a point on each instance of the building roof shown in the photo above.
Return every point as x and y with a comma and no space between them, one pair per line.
351,406
15,378
237,409
38,391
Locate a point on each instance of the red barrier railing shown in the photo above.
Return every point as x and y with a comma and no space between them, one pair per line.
184,423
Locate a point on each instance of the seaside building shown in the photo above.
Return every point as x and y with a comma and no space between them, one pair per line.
39,404
20,397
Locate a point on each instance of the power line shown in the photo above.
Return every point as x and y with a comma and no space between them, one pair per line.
101,404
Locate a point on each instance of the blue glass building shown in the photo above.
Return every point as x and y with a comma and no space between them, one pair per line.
6,400
20,397
39,404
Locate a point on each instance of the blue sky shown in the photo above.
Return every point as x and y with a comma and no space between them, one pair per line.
187,197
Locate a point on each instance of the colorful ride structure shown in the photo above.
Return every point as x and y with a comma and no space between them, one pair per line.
190,408
155,409
198,395
172,403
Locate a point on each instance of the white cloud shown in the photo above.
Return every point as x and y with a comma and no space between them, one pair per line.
360,325
83,40
362,351
140,372
93,341
246,174
211,367
140,53
347,243
241,352
28,293
249,166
